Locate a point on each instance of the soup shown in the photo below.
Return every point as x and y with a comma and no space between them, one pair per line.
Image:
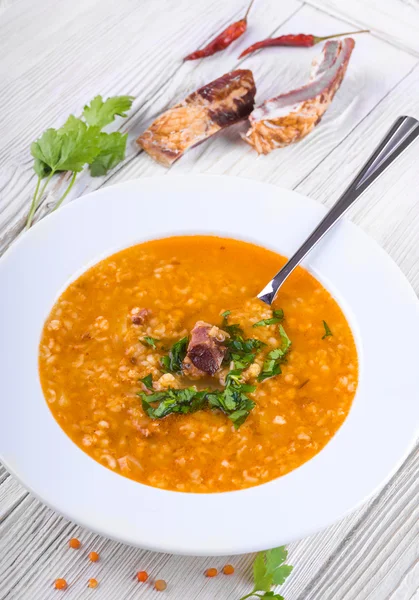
161,364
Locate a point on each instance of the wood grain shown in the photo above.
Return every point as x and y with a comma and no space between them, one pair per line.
396,21
55,56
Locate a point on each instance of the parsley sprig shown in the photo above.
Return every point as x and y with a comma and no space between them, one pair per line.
79,142
269,570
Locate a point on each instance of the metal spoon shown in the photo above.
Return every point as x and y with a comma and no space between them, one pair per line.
404,131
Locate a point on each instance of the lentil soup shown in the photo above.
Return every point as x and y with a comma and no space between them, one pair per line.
177,314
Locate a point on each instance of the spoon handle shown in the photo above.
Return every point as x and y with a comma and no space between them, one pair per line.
404,131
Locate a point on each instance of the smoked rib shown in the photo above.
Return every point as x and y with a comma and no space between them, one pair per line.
291,116
213,107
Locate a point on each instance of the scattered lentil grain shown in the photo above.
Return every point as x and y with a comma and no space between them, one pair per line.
160,585
228,570
94,556
60,584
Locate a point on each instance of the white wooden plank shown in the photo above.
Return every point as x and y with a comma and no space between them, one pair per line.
381,552
359,558
366,84
36,539
394,20
130,47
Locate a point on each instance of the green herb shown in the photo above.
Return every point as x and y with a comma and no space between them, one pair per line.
148,381
149,341
327,330
79,143
99,113
233,400
269,570
278,316
171,401
286,342
240,350
233,330
274,359
172,363
112,151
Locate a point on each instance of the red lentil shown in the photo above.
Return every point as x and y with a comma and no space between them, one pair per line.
228,570
142,576
94,556
211,572
60,584
92,583
74,543
160,585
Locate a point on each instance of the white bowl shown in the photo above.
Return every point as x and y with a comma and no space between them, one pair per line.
373,441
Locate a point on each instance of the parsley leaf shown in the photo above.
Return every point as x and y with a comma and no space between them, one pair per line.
327,330
148,381
274,359
262,577
269,570
278,316
112,150
79,143
233,400
171,401
172,363
149,341
102,113
241,350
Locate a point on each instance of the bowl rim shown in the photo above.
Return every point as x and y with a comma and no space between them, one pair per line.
346,259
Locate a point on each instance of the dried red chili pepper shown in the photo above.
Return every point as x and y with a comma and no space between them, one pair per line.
301,40
224,39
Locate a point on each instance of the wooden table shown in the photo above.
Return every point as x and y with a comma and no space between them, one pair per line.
54,57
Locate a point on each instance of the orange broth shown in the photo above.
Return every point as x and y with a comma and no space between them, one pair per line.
91,359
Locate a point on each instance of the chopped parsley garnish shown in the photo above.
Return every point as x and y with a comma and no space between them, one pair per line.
240,350
274,358
233,400
172,362
269,570
149,341
147,381
171,401
243,351
326,330
278,316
